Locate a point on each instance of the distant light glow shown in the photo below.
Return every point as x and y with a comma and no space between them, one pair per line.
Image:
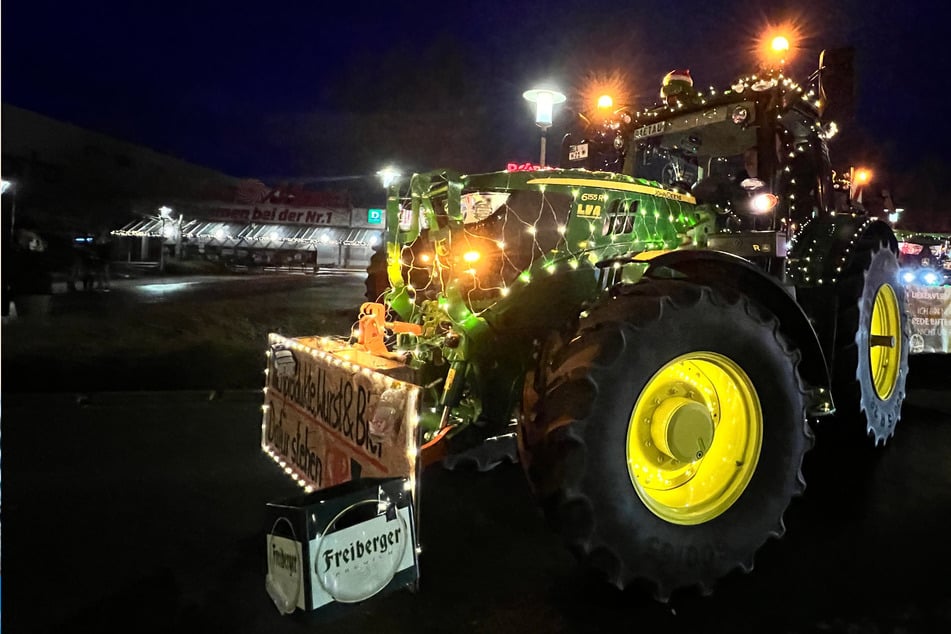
605,101
164,288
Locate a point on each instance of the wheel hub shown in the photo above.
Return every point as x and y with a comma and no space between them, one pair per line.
884,342
683,429
694,437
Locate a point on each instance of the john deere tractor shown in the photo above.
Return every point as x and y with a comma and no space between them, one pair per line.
656,323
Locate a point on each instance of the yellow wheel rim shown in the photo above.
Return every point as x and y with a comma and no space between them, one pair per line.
694,438
884,345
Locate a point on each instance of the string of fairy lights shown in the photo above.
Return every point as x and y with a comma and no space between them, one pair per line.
511,245
333,354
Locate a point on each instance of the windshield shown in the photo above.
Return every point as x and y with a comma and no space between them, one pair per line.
717,144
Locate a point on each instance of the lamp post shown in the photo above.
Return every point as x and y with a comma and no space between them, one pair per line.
544,100
164,214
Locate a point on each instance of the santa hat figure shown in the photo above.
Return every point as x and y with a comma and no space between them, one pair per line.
676,82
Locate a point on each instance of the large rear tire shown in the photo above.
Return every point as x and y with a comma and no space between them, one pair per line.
668,435
872,333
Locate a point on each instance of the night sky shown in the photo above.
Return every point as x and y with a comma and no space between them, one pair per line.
318,89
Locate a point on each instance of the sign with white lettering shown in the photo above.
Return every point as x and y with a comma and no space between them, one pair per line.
277,214
328,420
929,311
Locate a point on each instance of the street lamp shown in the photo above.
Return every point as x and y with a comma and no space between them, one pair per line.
544,100
388,175
165,213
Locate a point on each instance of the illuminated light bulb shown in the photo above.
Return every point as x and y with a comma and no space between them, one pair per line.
763,203
505,291
471,256
562,229
532,230
573,264
500,244
525,277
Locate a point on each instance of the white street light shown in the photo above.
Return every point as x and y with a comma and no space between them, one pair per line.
168,231
545,101
388,175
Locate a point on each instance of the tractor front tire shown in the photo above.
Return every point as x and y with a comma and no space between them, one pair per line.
872,341
668,435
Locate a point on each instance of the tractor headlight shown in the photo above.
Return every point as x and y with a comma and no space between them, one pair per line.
762,203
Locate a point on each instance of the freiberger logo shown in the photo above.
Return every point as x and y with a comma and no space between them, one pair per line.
356,562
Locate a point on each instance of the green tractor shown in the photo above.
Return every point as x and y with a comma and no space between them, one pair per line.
654,325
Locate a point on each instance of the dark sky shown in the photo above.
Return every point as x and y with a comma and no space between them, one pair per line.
321,89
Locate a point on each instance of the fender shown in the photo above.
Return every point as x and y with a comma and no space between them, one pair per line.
819,253
824,247
733,274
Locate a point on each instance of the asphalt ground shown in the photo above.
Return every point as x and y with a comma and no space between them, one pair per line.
145,512
135,511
